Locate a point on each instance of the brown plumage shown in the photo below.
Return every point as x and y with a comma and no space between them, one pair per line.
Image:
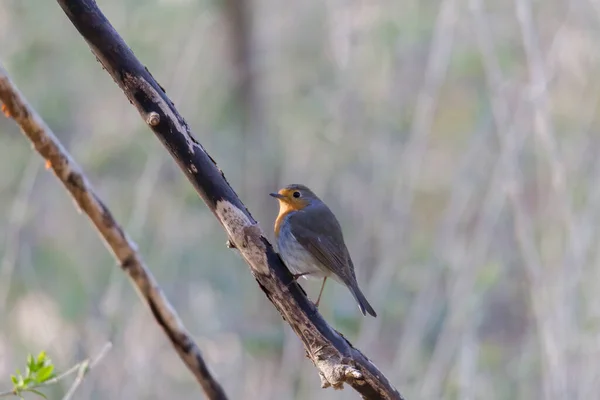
311,243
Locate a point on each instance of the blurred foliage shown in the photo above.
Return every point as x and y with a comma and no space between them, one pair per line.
461,162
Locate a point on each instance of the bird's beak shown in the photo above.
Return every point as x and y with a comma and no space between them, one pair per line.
277,196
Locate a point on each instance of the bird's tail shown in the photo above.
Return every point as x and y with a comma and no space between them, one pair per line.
363,304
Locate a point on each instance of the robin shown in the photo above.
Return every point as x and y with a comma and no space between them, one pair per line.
310,241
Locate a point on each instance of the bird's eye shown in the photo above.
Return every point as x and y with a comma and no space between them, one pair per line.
296,194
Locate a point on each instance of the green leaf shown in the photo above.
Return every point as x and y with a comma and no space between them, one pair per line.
27,380
41,358
14,379
45,373
31,362
38,393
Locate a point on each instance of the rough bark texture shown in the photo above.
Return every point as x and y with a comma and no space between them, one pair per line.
337,361
124,249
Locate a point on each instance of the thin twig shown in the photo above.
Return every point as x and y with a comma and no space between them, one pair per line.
17,214
84,368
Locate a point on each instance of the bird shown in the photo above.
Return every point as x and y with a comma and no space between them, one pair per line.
311,243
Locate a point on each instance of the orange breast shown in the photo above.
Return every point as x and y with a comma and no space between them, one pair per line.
287,206
284,210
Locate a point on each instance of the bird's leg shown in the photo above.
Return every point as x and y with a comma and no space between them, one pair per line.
296,276
321,292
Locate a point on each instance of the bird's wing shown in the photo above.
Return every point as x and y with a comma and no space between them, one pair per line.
319,232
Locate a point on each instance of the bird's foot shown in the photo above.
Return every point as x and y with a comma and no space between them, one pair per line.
296,276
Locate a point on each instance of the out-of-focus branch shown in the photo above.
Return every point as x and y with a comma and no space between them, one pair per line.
239,21
337,361
259,173
16,222
83,370
125,251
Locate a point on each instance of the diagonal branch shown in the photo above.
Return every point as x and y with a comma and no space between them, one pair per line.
337,361
123,248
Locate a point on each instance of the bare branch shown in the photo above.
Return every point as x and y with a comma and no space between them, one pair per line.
84,368
125,251
336,359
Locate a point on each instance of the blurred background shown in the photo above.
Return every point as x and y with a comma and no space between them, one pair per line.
456,141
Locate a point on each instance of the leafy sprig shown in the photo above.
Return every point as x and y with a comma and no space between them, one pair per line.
39,370
40,373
